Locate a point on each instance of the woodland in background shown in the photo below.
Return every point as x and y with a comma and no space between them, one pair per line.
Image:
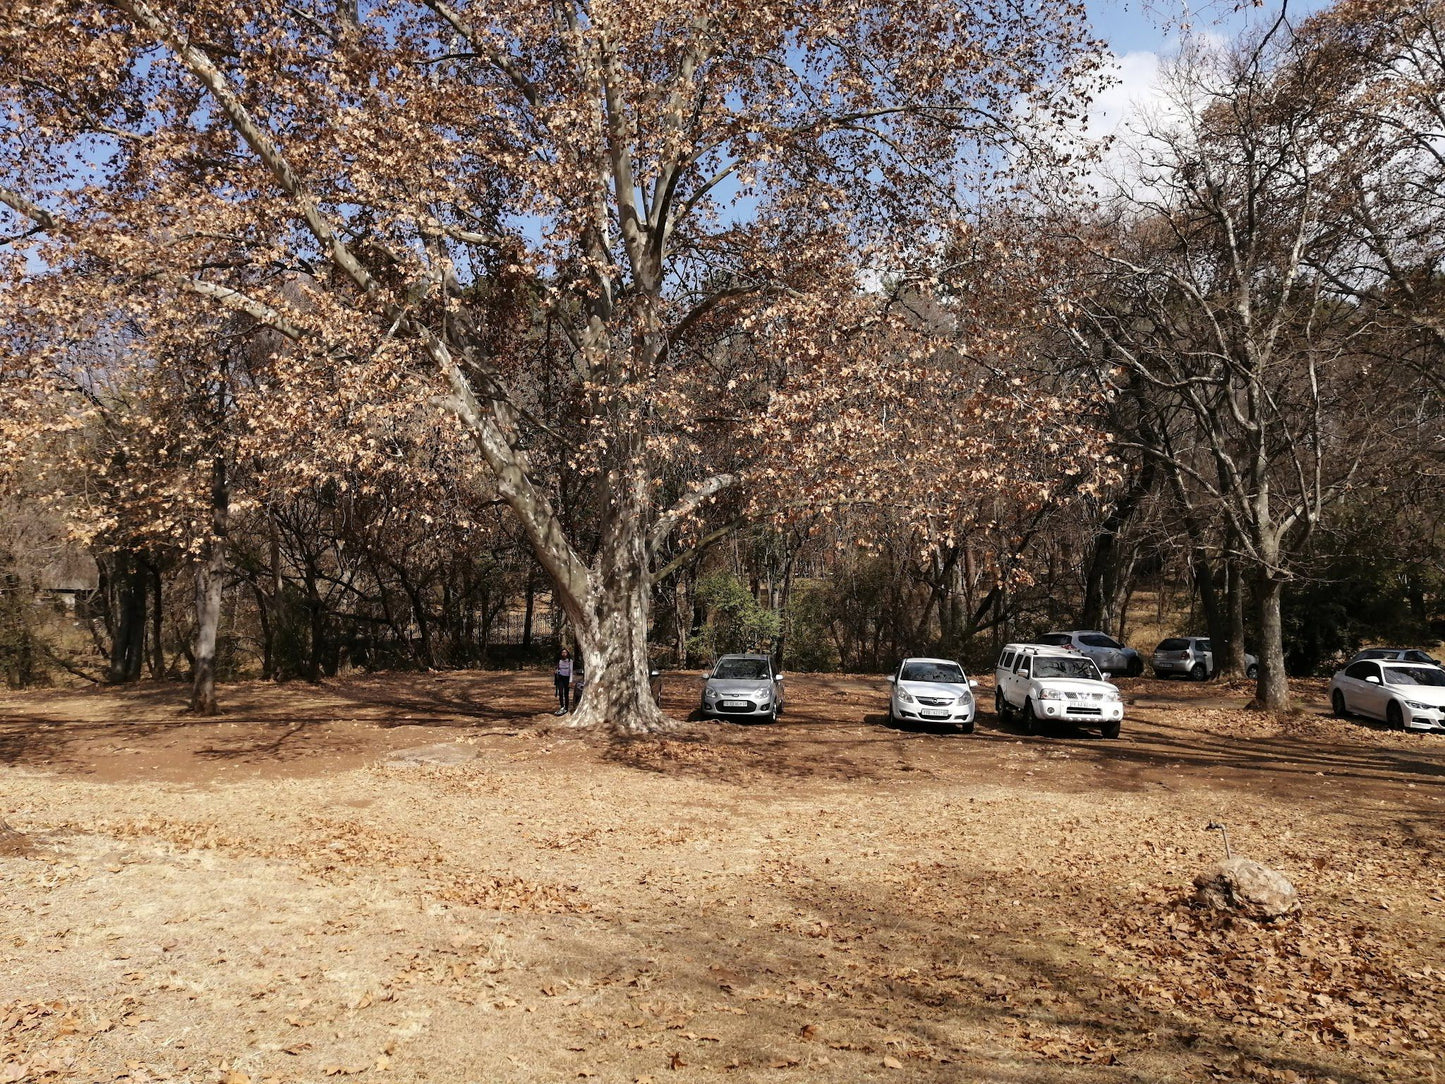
1217,380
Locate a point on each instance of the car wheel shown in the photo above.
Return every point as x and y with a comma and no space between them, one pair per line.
1000,705
1394,716
1337,705
1252,672
1111,730
1198,672
1031,721
1135,667
773,716
966,728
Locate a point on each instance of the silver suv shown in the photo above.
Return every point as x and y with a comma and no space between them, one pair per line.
1109,654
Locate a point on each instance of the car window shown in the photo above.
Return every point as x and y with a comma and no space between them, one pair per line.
931,671
1414,675
1024,661
1362,670
1006,660
1065,668
741,669
1174,643
1376,653
1417,656
1206,645
1055,639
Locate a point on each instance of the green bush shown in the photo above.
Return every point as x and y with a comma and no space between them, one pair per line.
737,622
808,643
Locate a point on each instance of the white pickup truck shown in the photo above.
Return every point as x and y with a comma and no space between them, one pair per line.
1042,683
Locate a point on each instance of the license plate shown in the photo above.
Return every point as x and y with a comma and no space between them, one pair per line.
934,714
734,703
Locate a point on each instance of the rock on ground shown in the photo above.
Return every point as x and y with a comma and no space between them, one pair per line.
1246,886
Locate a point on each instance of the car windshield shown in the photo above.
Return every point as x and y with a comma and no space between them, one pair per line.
932,671
741,669
1065,668
1414,675
1054,639
1175,644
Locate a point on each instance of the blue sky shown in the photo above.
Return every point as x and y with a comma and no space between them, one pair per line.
1142,32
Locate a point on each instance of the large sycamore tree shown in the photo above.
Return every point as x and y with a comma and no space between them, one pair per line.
435,193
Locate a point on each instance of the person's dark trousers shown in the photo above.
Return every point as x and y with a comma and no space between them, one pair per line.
564,692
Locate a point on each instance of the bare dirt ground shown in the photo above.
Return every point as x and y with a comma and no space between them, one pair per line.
275,896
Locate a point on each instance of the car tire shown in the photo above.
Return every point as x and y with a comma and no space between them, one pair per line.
1337,705
1394,717
1199,672
1135,667
1031,721
1111,730
1252,672
1000,705
966,728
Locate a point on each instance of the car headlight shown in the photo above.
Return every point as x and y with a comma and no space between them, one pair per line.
764,694
905,696
1112,694
1050,694
964,700
1419,707
709,693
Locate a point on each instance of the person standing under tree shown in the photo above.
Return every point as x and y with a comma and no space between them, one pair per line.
562,679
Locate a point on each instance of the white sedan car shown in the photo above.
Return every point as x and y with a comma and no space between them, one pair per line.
1406,695
932,691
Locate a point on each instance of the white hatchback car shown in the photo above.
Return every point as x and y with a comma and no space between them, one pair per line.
1406,695
932,691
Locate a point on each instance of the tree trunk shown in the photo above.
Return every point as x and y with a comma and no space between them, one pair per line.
128,644
1214,623
611,623
210,577
158,653
1235,662
1272,689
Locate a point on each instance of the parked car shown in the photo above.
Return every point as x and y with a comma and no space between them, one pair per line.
743,687
1109,654
1406,695
1395,654
932,691
1045,682
1193,657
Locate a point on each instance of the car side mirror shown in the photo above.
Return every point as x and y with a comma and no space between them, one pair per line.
892,680
777,677
654,673
972,683
1373,680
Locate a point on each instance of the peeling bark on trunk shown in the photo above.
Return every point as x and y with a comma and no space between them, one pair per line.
610,623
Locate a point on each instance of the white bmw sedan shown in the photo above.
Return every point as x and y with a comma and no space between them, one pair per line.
932,691
1406,695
